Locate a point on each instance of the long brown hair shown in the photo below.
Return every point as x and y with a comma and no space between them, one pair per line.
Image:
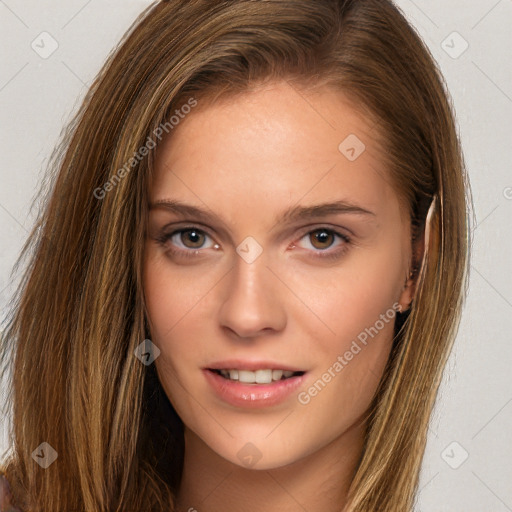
79,312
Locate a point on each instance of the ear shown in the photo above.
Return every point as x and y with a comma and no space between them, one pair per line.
409,288
420,240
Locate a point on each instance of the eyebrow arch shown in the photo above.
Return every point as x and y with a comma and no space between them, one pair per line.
292,214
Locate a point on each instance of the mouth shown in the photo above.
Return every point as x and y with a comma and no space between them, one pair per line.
255,388
256,377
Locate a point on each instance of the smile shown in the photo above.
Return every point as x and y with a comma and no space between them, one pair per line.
253,389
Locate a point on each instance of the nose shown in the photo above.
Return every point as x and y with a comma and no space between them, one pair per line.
253,299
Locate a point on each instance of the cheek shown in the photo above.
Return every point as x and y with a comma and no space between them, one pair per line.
348,363
172,294
352,330
168,300
345,301
179,306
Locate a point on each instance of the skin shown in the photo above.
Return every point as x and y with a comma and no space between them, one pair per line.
247,159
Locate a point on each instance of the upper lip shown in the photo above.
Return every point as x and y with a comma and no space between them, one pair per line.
238,364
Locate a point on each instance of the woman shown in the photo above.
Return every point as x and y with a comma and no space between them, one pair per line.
249,272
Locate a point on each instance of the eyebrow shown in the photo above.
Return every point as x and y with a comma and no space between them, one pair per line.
292,214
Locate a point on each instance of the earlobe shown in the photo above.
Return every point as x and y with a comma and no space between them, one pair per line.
408,292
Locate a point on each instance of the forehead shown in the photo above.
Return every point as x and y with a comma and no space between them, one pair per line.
275,144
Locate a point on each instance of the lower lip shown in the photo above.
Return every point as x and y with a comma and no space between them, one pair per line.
253,395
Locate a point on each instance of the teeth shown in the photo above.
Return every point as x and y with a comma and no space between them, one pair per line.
256,377
277,374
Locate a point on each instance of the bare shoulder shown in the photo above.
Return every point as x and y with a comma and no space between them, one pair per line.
5,496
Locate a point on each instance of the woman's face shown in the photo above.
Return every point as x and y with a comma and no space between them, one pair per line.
246,270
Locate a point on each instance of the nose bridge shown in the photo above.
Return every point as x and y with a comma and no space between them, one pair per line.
250,272
252,301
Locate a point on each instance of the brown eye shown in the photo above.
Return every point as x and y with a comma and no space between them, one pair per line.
321,238
192,238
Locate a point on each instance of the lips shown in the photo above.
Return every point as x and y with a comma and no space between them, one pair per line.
252,395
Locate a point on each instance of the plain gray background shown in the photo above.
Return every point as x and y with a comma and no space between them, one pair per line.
467,466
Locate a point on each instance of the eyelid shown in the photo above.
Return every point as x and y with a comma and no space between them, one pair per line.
288,231
328,253
333,252
338,230
304,230
167,236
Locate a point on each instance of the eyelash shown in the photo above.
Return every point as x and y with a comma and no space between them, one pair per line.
324,254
